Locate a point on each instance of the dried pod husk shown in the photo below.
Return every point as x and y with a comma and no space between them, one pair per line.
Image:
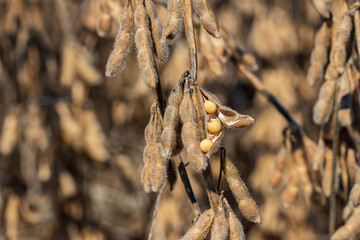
201,229
122,44
34,130
331,73
325,103
291,191
207,17
302,171
94,138
351,163
207,50
10,133
104,25
71,129
158,174
11,217
85,67
338,55
197,99
228,116
354,198
236,230
171,136
152,136
280,166
344,113
220,227
67,185
161,48
221,50
79,92
319,157
190,133
322,8
319,55
351,227
68,63
144,45
173,22
246,204
108,15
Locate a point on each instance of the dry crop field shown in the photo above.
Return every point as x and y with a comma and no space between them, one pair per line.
179,119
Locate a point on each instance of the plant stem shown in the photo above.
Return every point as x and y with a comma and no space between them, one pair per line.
186,182
335,150
259,86
190,38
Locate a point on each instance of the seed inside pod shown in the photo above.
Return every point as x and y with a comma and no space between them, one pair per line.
214,126
205,145
210,107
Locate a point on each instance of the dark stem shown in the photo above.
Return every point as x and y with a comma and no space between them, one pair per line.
259,86
186,182
222,157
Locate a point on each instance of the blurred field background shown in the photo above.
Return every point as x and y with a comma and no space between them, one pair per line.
71,140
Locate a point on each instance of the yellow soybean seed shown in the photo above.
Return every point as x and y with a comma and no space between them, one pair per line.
210,107
205,145
214,126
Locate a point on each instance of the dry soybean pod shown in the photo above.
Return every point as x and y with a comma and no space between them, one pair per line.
207,17
220,228
280,165
325,103
201,229
321,8
207,50
350,228
122,43
246,204
173,22
170,136
354,198
236,230
161,49
144,45
190,132
104,20
158,175
151,133
319,55
10,133
338,54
